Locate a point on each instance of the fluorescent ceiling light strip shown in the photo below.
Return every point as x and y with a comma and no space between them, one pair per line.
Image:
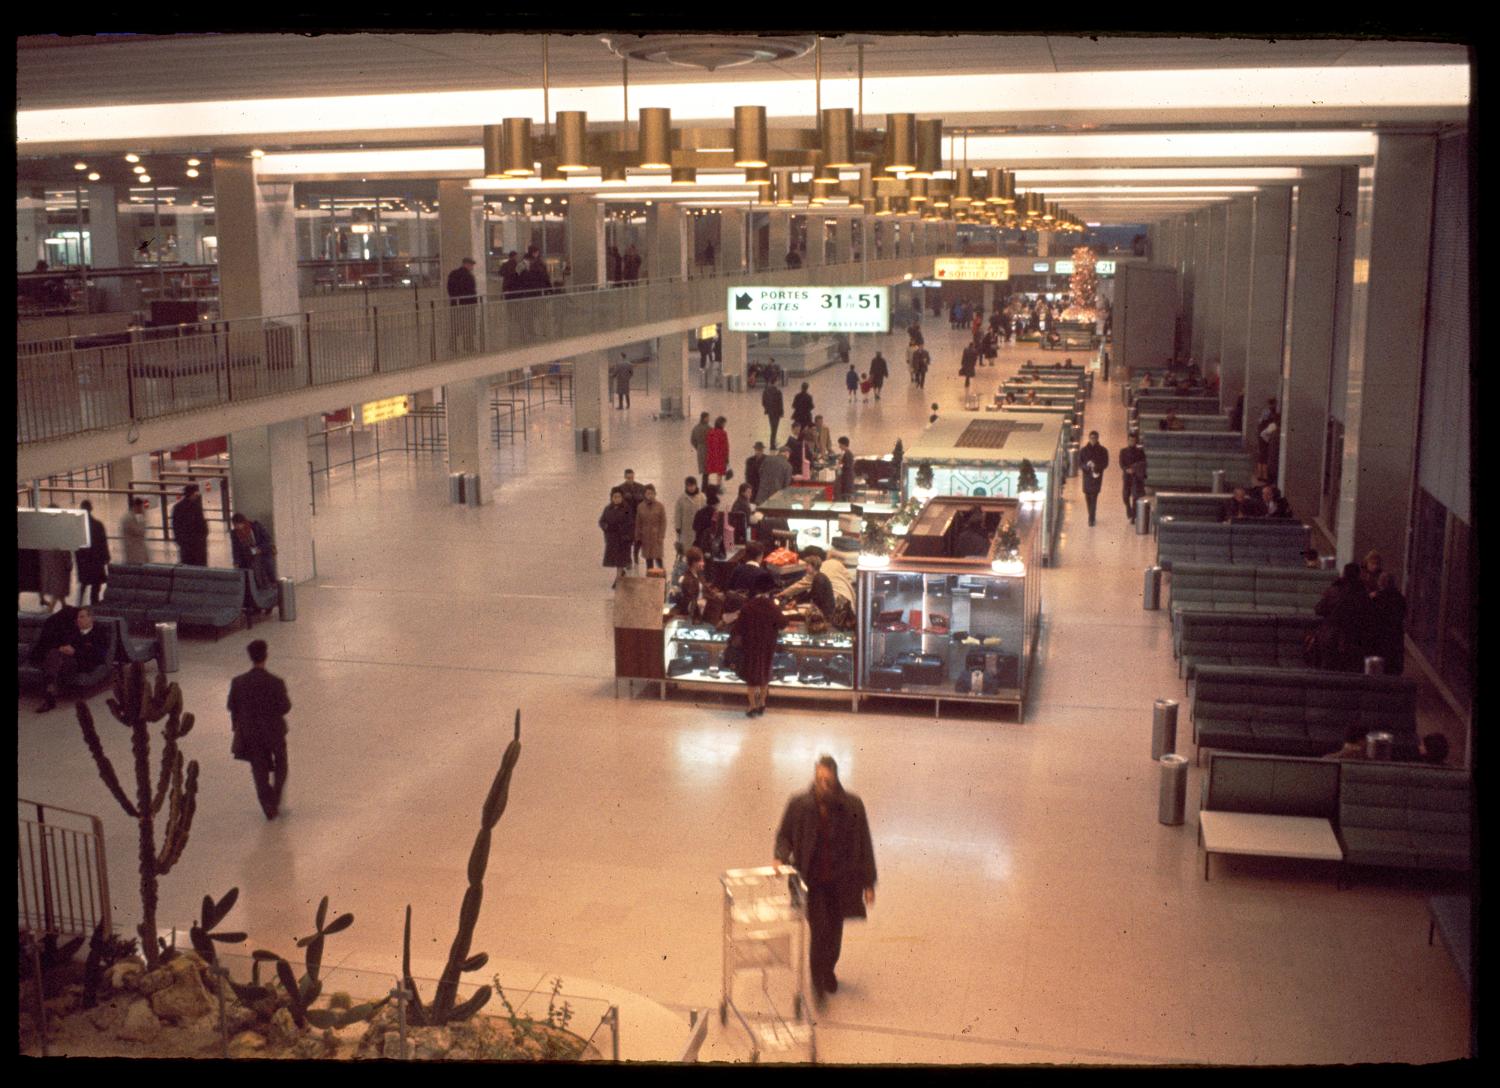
1159,173
1290,144
1266,89
1052,190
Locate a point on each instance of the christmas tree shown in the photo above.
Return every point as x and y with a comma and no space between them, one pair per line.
1083,287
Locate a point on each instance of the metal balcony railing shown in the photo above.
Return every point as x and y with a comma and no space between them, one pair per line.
117,379
62,880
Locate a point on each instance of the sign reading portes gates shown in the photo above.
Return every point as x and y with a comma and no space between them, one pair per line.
809,309
971,268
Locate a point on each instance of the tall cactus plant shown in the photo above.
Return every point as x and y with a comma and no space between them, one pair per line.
136,706
445,1008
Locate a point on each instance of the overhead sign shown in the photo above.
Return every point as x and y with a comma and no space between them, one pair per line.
377,410
1040,266
809,309
1104,268
927,283
971,268
1063,268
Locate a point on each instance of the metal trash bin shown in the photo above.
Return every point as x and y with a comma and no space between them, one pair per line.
166,646
288,600
586,440
1328,562
456,488
1218,481
1378,745
1151,591
1374,665
1142,516
1172,798
1163,728
471,489
1072,461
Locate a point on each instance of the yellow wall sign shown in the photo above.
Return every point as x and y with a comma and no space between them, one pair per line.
971,268
390,408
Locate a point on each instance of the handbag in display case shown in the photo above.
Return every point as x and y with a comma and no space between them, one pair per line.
886,678
687,661
890,621
921,668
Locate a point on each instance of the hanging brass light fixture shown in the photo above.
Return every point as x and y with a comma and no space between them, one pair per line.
684,175
900,153
1008,191
758,175
655,138
613,174
750,136
929,147
994,186
916,188
516,156
1049,211
963,190
838,139
572,141
781,186
494,151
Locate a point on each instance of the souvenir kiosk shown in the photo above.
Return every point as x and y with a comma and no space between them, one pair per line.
815,519
976,456
937,624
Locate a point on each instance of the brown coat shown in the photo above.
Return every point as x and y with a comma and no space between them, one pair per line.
651,528
757,626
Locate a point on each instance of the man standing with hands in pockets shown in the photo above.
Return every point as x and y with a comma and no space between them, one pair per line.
825,835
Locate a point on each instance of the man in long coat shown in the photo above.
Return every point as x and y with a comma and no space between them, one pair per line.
1093,459
258,705
190,528
825,834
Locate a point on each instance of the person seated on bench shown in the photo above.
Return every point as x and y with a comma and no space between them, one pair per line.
80,650
1311,560
1242,505
1170,422
1275,502
1031,396
1354,744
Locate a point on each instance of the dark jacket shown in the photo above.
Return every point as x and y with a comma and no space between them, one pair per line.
775,475
752,472
1130,456
1097,458
751,579
1349,622
461,287
188,522
849,842
759,622
802,409
771,402
879,371
88,649
618,524
258,705
708,531
54,633
846,482
1389,607
968,361
92,560
257,555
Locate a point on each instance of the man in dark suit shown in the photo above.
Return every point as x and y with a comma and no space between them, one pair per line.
462,291
1132,473
824,833
66,649
93,560
752,468
1093,459
190,528
258,704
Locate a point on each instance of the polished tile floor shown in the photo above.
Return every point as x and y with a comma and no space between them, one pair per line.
1030,907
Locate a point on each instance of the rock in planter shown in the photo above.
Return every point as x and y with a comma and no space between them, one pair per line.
184,998
139,1024
284,1031
390,1046
239,1018
309,1046
247,1044
125,975
106,1016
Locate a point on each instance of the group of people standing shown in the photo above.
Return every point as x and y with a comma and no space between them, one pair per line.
1363,614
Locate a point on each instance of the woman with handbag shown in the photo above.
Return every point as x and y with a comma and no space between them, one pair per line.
708,526
752,645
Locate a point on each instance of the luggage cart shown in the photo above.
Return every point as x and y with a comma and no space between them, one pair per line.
765,931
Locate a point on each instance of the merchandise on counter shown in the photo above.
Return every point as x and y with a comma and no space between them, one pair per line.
687,661
841,669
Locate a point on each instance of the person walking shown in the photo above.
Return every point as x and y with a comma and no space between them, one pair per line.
92,559
851,382
716,452
258,705
630,266
688,504
190,528
967,362
623,372
463,291
756,629
651,529
251,546
772,404
825,835
615,521
775,475
698,440
1132,473
133,531
879,370
752,469
920,361
802,408
844,487
1093,459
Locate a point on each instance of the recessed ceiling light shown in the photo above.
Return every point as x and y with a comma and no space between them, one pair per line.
192,173
132,157
137,169
145,177
80,166
257,153
194,162
94,175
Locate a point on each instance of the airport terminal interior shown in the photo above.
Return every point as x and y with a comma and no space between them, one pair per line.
1256,221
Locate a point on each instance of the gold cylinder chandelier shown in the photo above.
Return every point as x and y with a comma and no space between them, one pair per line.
929,148
900,152
750,137
838,139
517,160
572,141
655,138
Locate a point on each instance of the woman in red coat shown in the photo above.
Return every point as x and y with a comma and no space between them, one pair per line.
756,629
716,443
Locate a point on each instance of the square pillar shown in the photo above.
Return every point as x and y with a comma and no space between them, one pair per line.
31,228
461,234
1209,292
1388,303
1267,311
269,483
817,247
669,248
466,407
257,230
1239,222
591,399
585,225
676,385
843,240
736,348
781,237
733,241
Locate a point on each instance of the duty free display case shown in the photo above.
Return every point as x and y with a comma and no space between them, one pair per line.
937,626
815,519
818,666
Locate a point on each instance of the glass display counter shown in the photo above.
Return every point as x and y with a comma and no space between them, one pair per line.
815,519
818,666
952,628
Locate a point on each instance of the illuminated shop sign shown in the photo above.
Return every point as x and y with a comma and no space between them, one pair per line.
971,268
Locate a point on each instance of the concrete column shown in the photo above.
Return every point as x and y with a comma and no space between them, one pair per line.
1211,289
989,298
461,234
591,397
268,483
467,408
733,242
257,230
1388,305
676,383
111,245
736,359
1044,243
189,230
124,471
31,228
586,239
1315,231
1232,344
1267,312
817,250
1198,283
1187,269
781,237
669,248
843,240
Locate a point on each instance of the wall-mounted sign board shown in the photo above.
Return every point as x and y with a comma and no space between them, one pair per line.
971,268
389,408
809,309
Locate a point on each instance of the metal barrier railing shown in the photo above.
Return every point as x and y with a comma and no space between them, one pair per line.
62,881
165,372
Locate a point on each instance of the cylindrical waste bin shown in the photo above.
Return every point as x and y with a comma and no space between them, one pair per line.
1142,516
288,601
1328,562
1163,727
456,488
1173,796
1378,745
1374,665
1218,481
1151,591
166,646
1072,461
471,489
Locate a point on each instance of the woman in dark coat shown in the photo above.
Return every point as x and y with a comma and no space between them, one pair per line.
93,559
618,528
802,408
759,622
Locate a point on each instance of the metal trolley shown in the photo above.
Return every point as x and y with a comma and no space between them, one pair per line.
765,931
